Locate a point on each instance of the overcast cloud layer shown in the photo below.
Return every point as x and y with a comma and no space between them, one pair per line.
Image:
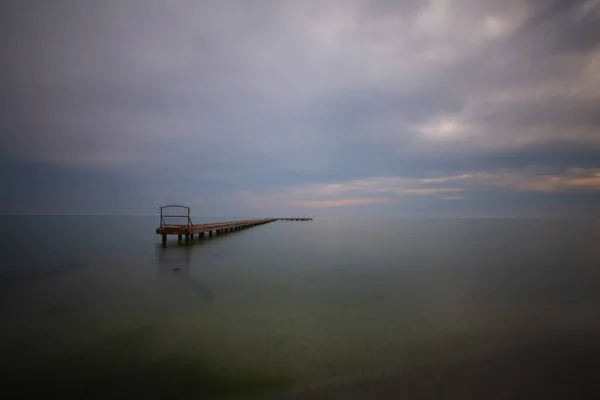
256,108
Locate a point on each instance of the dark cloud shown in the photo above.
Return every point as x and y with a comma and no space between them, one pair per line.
561,112
222,102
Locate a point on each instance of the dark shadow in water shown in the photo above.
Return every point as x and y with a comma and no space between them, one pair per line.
127,365
55,310
550,367
175,262
18,277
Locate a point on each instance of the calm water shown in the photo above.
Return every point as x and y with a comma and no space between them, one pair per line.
348,309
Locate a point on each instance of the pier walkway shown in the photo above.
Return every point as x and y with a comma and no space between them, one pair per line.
175,219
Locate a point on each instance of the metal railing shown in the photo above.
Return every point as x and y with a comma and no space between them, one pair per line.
175,215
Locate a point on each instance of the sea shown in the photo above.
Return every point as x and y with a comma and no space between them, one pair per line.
389,308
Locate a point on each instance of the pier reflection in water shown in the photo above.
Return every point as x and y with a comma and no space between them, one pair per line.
174,263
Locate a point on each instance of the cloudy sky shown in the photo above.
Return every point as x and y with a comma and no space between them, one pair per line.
342,107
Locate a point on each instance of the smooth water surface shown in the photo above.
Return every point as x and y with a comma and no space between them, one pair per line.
398,308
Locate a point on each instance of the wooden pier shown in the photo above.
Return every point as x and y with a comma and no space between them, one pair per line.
175,219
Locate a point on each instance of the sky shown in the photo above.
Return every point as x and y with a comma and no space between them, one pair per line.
379,108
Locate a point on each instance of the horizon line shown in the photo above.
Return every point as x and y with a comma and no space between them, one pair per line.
321,217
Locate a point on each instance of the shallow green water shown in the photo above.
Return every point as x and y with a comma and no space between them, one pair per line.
94,306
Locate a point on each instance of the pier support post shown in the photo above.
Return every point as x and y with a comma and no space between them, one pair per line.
187,238
179,238
200,235
209,233
164,239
